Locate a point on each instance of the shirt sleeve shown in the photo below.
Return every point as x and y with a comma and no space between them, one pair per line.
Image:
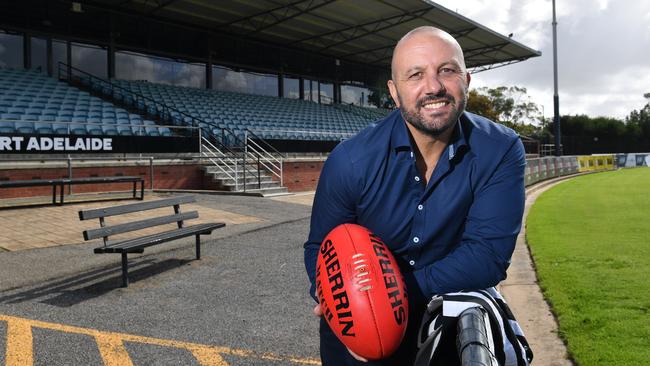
491,228
334,204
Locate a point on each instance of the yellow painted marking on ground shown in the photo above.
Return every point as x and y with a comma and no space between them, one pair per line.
110,350
207,356
19,343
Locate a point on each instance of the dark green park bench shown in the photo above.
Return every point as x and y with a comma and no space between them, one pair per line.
137,245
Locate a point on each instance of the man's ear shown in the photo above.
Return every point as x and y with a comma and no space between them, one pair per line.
468,76
393,92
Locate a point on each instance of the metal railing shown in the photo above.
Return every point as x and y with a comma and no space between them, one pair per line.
273,163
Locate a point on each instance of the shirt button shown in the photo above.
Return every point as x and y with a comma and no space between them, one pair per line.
416,240
417,179
420,207
412,262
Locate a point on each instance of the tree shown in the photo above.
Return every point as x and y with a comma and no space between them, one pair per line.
638,122
510,106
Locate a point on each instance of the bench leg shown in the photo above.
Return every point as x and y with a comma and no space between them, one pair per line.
125,271
54,194
134,187
62,189
198,246
141,190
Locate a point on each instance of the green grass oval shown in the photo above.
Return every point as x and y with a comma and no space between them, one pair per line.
590,240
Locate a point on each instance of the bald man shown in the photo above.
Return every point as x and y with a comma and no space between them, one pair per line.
442,187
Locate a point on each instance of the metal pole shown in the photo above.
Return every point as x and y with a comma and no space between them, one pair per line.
556,98
245,153
151,173
69,175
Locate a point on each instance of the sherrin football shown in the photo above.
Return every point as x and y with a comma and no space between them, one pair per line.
361,291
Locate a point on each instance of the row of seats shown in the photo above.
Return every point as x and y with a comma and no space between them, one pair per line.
30,96
82,129
287,118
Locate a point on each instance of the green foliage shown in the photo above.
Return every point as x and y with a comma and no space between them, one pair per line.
510,106
583,125
638,122
588,237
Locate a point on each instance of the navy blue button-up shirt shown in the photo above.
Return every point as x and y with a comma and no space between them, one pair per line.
456,233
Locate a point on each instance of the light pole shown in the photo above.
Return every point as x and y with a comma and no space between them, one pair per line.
556,98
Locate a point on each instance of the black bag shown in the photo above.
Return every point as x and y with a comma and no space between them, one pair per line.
475,324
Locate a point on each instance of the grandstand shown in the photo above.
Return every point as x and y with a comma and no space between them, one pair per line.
305,72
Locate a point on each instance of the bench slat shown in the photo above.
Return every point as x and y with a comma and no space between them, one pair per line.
137,225
137,244
28,183
134,207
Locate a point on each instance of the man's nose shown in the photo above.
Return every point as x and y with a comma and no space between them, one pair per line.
435,86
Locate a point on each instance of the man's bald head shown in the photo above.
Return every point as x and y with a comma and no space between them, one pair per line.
425,31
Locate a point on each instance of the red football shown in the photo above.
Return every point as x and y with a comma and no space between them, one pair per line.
361,291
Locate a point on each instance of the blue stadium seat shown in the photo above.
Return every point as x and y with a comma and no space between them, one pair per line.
109,129
7,127
78,129
60,128
46,117
125,130
43,128
11,116
94,129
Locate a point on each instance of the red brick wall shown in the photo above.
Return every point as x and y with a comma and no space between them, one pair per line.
165,177
302,175
298,176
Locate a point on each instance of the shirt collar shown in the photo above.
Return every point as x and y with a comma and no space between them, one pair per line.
400,140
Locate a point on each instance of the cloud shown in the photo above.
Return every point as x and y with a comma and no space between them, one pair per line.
602,52
131,66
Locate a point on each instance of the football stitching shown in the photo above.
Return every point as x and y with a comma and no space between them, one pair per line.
372,306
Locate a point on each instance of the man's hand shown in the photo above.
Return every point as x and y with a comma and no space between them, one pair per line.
318,312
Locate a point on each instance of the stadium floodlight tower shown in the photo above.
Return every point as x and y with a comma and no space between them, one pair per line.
556,98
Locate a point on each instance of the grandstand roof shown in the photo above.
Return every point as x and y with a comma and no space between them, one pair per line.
363,31
329,40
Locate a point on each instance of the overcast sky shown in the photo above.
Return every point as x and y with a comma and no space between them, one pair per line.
603,51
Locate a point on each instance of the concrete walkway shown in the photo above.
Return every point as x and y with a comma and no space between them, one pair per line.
522,292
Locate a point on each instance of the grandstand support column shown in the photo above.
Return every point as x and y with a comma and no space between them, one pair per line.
208,67
319,92
208,74
281,84
68,61
337,93
301,88
27,51
50,58
110,52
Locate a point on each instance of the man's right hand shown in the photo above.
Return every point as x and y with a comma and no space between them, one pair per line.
318,312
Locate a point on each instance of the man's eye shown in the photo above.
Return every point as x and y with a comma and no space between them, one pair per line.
447,70
416,75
